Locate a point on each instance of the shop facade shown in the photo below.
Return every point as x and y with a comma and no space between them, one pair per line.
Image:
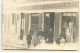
62,18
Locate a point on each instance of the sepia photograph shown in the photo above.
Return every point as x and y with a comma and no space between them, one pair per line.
40,25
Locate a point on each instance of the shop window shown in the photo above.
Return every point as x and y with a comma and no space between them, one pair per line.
34,19
68,25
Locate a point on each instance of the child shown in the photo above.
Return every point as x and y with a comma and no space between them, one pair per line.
42,41
62,41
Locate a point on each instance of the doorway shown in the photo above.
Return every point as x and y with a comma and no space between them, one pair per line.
49,26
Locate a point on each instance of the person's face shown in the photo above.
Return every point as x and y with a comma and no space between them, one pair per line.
50,29
40,29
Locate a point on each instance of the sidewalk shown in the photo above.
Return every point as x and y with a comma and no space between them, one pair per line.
12,42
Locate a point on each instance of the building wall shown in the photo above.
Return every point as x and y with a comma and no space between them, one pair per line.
54,7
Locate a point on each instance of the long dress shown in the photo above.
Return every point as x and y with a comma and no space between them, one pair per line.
34,39
29,38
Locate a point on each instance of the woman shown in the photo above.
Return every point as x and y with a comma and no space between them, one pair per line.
34,39
28,38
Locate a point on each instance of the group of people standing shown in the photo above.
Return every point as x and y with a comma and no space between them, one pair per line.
39,37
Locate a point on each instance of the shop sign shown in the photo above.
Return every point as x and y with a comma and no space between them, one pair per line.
69,14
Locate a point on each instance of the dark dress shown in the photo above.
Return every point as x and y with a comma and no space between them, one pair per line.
40,33
50,37
28,38
45,35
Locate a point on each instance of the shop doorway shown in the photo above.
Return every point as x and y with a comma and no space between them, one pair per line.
49,26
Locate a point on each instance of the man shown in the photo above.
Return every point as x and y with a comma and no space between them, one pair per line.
29,38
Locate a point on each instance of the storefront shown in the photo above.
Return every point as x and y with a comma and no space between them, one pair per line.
60,17
69,26
63,25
